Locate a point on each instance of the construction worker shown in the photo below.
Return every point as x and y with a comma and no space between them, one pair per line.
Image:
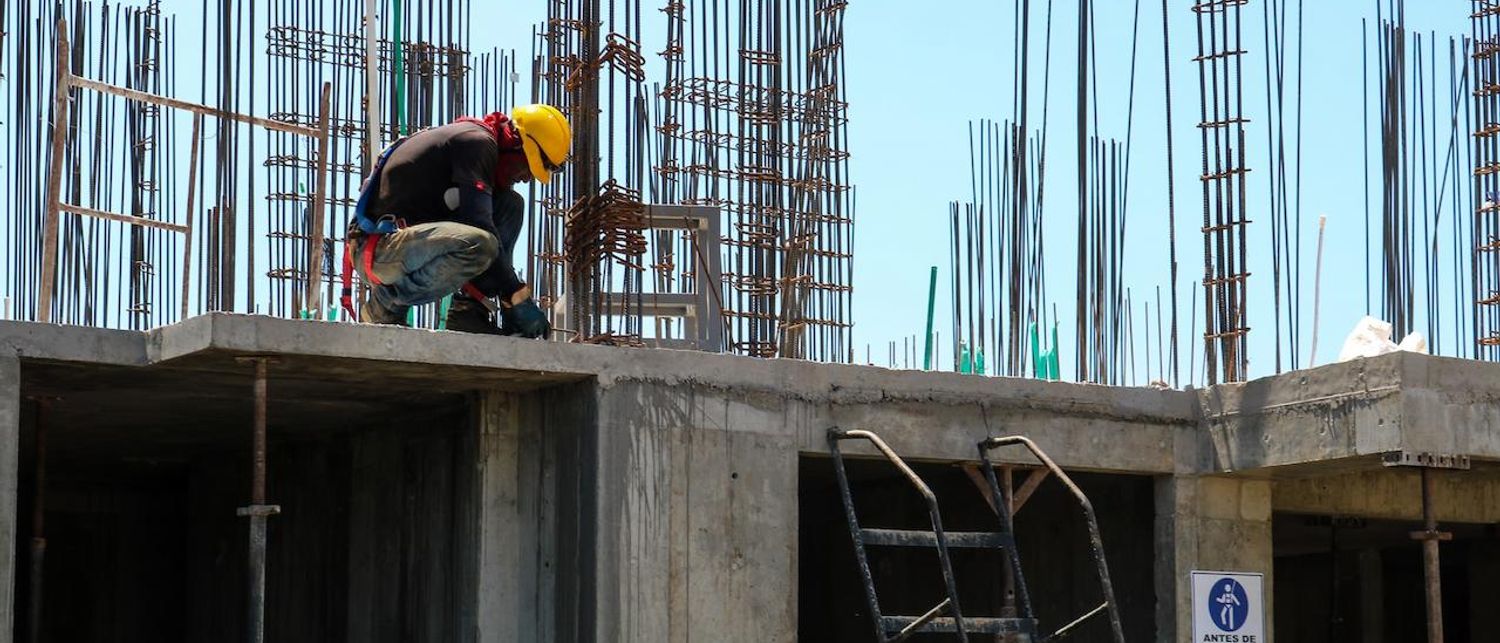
439,216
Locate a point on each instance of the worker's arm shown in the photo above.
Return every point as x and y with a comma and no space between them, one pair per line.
471,197
500,279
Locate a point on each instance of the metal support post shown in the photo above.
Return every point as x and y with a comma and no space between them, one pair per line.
38,507
1433,573
1429,535
258,510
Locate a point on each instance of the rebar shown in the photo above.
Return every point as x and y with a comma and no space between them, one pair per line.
1225,219
749,117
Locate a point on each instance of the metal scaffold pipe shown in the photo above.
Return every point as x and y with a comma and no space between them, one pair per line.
257,511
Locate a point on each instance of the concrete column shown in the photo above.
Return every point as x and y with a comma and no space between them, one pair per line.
509,600
1207,523
10,438
697,536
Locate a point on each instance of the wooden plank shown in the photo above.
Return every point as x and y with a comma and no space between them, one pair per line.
980,483
176,103
314,300
377,489
187,242
54,176
1022,494
1018,499
122,218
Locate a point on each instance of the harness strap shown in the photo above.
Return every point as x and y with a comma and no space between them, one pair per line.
374,229
347,296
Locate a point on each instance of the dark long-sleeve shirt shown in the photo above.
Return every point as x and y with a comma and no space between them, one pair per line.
447,174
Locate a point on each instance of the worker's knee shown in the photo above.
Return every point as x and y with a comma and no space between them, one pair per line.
486,247
478,250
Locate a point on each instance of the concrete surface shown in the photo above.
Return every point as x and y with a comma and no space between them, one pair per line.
10,442
602,494
1207,523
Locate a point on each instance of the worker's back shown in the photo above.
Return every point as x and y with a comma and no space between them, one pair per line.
416,182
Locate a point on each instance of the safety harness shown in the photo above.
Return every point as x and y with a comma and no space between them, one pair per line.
371,229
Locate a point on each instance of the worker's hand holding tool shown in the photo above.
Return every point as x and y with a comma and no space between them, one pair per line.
521,316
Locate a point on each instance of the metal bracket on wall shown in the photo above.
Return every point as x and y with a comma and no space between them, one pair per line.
1425,460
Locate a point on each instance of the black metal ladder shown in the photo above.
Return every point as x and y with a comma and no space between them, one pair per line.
947,615
1096,542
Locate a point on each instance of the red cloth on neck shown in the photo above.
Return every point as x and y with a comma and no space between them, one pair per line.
511,159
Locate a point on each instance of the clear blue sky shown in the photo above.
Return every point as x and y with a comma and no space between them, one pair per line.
932,73
925,70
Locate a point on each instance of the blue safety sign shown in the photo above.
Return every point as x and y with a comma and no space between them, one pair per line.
1227,607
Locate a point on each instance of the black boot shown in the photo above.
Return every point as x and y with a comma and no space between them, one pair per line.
373,312
467,315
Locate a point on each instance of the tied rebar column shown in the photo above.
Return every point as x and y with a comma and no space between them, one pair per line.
1222,131
1485,25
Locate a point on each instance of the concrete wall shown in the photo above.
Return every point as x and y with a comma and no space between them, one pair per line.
1207,523
697,518
10,441
695,487
1305,417
533,516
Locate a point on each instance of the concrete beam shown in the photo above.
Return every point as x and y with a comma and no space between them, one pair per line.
1327,413
1079,442
1393,493
31,340
1450,406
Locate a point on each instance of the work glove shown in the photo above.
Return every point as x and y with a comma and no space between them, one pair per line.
522,317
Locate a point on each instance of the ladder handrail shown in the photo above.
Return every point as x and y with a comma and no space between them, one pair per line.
1096,542
835,435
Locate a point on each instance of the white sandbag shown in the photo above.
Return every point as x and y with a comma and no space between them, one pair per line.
1369,338
1414,343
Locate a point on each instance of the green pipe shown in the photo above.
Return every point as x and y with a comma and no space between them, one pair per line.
442,312
398,67
1054,372
931,297
1038,361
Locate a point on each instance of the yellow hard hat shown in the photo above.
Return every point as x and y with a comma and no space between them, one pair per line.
545,138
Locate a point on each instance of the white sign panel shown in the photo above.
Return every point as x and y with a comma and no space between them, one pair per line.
1228,607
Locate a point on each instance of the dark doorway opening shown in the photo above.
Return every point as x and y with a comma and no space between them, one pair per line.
145,470
1357,579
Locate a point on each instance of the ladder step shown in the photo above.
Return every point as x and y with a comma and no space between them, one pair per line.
972,624
956,539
